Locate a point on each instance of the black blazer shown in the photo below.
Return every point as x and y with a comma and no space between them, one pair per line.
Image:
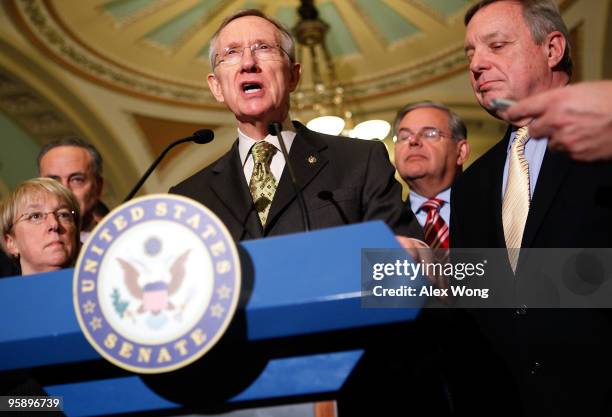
571,205
8,268
343,181
550,361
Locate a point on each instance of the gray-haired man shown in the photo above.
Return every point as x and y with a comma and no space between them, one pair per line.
430,150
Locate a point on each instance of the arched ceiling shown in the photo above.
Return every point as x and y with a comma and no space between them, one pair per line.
130,75
159,48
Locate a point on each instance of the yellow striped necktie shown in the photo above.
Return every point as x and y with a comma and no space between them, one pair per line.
517,197
262,184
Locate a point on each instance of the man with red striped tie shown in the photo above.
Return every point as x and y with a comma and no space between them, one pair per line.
430,150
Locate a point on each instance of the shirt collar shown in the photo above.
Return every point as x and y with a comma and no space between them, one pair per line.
245,143
417,200
513,136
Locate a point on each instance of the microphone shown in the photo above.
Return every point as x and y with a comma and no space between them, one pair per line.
329,196
201,137
275,129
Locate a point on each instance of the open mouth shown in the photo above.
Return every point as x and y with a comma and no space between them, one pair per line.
250,88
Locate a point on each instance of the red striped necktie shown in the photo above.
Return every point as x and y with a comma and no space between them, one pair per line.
435,229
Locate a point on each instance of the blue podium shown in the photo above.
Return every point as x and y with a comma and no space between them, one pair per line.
305,285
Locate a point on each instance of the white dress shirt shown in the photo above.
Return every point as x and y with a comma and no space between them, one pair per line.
417,200
245,143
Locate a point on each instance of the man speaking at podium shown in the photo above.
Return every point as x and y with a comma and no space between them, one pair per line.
342,181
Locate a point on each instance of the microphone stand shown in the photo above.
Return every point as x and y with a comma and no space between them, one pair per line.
201,136
275,128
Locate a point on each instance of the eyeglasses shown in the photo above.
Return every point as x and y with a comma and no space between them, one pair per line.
261,50
63,215
429,133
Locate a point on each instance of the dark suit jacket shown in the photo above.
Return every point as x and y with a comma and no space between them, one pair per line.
343,181
571,205
8,268
554,357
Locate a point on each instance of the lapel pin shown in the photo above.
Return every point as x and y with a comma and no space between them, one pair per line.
312,159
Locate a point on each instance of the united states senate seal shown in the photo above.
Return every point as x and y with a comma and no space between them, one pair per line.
157,283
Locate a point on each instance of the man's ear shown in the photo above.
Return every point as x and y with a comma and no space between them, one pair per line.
296,72
11,245
555,44
215,87
463,151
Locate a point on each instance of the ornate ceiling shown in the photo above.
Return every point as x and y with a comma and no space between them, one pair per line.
130,75
159,48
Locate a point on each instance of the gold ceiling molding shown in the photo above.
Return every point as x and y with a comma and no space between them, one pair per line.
44,123
369,23
143,13
37,20
47,110
445,64
31,112
40,22
194,29
431,12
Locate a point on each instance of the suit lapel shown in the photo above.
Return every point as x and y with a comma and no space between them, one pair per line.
496,178
555,167
231,188
307,161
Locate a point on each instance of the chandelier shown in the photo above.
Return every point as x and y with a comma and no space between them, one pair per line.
327,94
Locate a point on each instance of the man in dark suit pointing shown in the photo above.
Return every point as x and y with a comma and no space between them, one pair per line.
343,181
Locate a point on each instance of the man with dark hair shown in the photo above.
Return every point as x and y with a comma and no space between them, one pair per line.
521,195
343,181
430,149
78,166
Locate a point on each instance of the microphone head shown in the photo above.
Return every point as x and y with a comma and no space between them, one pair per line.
326,195
203,136
275,128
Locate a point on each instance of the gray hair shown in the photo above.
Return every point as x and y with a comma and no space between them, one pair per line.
287,42
455,123
77,143
542,17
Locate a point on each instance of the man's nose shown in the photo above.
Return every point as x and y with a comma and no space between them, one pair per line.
414,141
248,61
65,182
478,62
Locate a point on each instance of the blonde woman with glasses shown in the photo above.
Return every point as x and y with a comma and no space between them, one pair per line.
39,222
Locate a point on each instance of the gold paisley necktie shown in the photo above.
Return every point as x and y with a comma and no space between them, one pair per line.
517,197
262,184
